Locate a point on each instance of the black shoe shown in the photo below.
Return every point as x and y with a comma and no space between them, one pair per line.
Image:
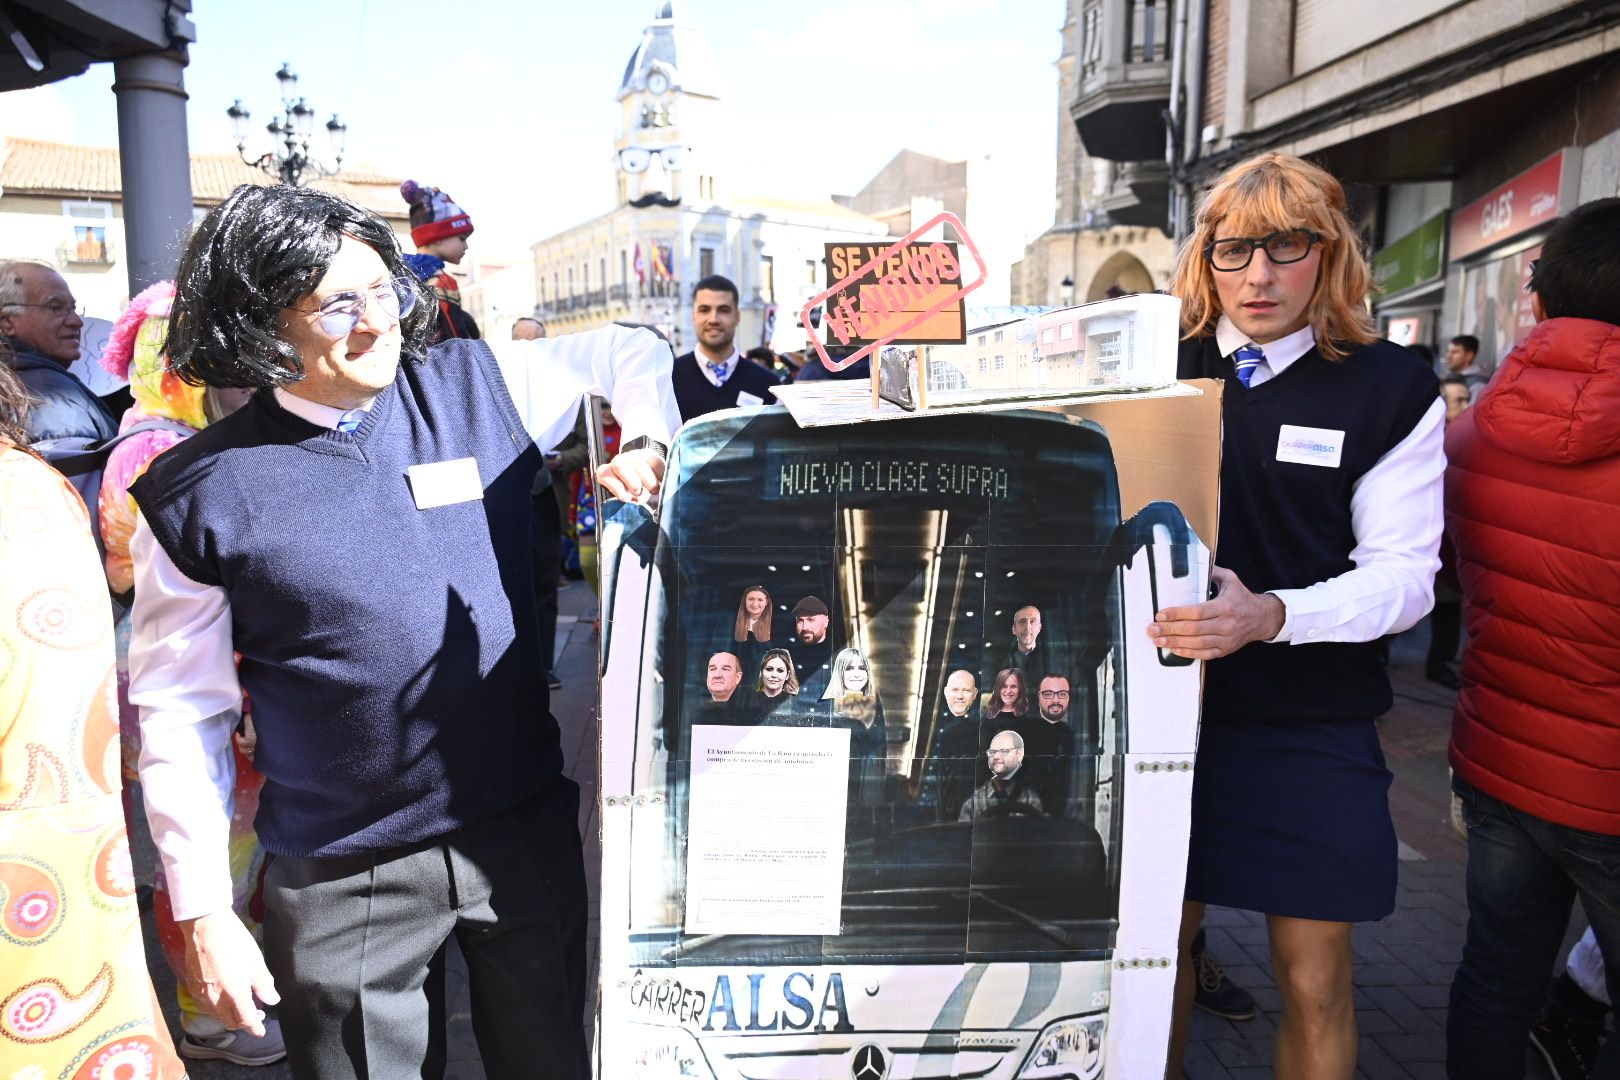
1216,993
1567,1043
554,682
1442,674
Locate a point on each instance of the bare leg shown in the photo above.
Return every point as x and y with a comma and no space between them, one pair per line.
1192,917
1316,1039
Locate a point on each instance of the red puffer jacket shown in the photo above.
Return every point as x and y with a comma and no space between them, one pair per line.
1533,506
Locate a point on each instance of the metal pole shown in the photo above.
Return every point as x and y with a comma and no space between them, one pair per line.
154,162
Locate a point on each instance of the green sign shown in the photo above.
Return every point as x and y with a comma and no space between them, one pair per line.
1415,258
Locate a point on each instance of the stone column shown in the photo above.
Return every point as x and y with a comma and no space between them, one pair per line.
155,160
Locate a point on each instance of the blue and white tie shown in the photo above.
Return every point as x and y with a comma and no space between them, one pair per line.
719,370
350,420
1247,358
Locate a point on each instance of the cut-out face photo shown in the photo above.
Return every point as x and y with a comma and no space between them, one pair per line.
850,675
776,674
1005,754
1054,699
754,615
1026,628
810,621
961,688
1009,696
725,675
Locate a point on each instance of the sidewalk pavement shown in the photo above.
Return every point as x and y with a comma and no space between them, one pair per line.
1404,964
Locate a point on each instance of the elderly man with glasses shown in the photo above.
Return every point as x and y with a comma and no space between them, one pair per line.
41,320
359,535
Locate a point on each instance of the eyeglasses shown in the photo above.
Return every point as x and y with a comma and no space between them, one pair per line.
1054,693
1283,247
999,751
638,159
57,309
342,312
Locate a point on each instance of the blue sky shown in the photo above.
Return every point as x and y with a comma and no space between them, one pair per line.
509,105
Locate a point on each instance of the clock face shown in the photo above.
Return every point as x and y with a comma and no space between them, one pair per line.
657,82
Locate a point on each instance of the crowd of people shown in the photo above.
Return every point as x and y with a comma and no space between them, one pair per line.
319,524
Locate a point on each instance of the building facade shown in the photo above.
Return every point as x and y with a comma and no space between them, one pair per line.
1094,245
674,223
63,205
1462,129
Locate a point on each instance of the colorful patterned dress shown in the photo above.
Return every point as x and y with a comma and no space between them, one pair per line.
76,1002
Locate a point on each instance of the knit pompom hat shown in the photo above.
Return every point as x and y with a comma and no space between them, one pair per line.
135,352
434,216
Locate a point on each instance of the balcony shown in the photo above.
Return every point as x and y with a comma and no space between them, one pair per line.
1139,194
86,251
1124,78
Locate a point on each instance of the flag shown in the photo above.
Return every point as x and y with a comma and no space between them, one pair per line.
641,268
661,260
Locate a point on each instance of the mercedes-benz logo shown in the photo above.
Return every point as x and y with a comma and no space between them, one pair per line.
869,1063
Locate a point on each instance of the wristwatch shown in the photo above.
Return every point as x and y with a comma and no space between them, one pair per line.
645,442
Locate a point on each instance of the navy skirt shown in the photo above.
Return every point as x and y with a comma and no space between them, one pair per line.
1292,819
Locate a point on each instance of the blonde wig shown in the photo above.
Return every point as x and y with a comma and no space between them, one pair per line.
1271,193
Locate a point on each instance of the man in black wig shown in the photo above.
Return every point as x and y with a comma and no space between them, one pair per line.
359,536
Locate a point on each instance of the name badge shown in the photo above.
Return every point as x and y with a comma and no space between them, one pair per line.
1310,446
443,483
745,398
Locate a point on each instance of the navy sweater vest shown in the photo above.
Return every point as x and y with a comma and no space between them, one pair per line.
1287,526
696,396
390,654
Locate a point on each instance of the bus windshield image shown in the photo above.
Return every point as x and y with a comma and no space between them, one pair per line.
879,742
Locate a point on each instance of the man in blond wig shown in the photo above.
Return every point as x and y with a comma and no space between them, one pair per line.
1330,526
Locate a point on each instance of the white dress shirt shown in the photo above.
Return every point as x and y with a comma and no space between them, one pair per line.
182,663
1396,513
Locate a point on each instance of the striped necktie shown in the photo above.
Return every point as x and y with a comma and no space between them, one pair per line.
719,369
350,420
1247,358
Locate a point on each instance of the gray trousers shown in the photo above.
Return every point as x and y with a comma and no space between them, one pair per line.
357,948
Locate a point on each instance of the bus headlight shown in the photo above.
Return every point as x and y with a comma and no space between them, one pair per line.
1067,1050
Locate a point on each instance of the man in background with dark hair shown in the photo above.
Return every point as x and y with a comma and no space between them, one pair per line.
1462,358
1533,508
713,376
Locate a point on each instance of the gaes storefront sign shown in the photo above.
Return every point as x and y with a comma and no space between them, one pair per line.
1535,197
1414,259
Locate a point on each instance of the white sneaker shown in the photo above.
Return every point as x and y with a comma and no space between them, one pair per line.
237,1047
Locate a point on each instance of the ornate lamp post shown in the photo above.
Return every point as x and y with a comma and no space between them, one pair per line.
290,162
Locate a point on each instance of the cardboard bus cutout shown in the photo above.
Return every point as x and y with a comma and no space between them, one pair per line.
894,783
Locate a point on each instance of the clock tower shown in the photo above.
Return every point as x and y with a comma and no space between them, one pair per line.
669,102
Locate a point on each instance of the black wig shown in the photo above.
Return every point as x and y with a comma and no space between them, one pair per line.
256,253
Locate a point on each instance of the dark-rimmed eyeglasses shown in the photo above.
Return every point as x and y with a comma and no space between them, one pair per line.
1054,694
638,159
341,312
1282,247
56,309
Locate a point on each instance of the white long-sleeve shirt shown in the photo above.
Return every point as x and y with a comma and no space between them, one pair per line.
182,663
1396,513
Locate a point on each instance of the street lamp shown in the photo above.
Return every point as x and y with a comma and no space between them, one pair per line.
290,161
1066,291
